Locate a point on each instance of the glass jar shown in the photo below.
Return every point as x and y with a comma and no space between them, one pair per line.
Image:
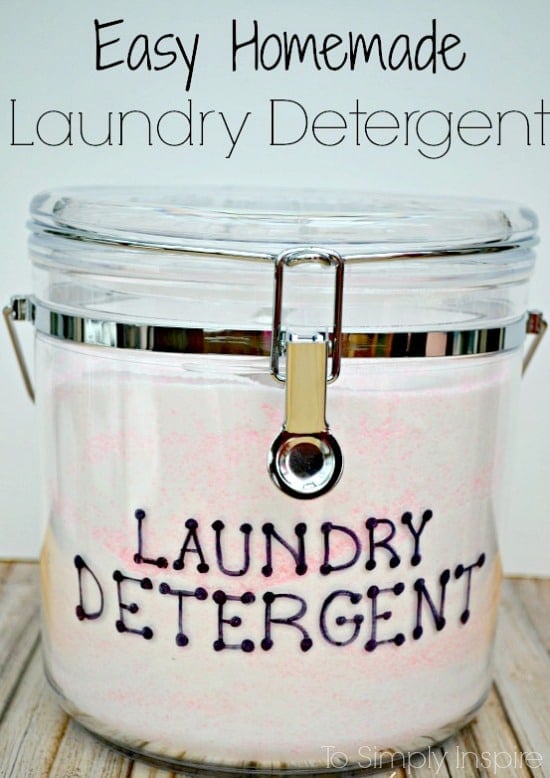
274,429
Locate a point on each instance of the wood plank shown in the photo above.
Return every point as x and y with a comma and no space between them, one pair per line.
32,727
429,763
81,754
522,671
461,755
400,772
535,596
498,748
5,568
18,572
19,627
143,770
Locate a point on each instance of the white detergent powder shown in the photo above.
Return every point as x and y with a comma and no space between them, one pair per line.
185,595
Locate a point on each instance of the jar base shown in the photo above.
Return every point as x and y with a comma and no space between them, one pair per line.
196,769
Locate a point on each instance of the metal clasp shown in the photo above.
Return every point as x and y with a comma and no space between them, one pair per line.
291,258
305,460
20,309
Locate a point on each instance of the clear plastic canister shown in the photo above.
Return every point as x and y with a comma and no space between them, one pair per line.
275,429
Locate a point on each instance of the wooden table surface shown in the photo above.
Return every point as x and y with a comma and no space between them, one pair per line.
37,739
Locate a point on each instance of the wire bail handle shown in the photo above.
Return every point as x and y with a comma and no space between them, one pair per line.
20,309
536,325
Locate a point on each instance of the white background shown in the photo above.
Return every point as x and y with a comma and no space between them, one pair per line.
47,62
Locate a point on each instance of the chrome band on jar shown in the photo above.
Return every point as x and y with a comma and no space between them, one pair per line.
175,339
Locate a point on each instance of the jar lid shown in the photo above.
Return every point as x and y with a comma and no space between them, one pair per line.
260,223
204,258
